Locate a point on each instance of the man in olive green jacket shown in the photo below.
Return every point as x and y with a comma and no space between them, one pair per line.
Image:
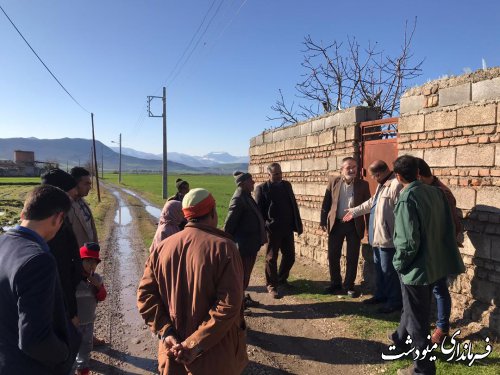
426,251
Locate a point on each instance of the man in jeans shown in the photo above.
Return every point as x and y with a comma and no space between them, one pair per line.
440,290
380,231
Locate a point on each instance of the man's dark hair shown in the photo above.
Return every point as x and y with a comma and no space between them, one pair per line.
78,172
406,166
44,201
423,168
272,166
378,166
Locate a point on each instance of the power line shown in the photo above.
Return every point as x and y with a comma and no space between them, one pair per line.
46,67
191,41
197,42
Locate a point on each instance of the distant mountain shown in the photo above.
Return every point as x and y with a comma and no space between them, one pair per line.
76,151
137,154
224,157
212,159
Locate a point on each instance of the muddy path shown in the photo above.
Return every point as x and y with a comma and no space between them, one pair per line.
131,349
290,335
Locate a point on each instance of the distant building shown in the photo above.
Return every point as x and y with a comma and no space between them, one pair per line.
24,165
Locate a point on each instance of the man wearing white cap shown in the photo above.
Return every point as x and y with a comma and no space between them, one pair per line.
191,295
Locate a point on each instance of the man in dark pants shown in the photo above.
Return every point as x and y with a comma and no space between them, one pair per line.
344,192
278,206
245,223
380,231
426,251
36,336
440,290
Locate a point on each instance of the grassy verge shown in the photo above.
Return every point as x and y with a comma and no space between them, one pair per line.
101,211
145,223
13,191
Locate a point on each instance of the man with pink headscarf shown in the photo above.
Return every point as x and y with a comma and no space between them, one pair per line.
171,219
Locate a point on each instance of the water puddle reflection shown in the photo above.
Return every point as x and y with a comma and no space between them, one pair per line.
152,210
122,216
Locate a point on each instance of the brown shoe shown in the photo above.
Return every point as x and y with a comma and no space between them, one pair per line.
438,336
98,342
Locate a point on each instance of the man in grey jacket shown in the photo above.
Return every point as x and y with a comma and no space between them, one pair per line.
380,232
246,224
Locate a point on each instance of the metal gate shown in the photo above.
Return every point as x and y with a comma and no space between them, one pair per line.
379,141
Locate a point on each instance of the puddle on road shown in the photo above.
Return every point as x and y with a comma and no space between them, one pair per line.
135,360
122,216
128,271
152,210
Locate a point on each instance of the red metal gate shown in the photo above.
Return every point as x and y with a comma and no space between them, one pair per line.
379,141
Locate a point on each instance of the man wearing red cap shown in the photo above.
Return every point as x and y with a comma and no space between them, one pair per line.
191,295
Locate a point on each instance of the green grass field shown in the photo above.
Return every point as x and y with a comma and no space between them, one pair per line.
150,187
13,190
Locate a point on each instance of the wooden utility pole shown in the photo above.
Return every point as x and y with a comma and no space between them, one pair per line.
120,166
95,161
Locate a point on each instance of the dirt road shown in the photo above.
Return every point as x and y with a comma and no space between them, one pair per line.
286,336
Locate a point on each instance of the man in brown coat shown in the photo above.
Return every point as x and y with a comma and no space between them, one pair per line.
191,295
344,192
80,214
81,218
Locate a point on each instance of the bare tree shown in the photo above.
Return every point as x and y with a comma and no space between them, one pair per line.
338,76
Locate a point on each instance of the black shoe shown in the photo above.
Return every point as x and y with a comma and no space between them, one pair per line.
285,284
352,293
394,340
388,309
334,289
249,302
373,301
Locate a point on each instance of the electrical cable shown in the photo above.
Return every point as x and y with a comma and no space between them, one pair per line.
197,43
46,67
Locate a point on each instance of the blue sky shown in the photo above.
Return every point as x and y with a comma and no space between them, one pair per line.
111,54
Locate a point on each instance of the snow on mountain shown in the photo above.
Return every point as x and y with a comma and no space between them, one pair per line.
211,159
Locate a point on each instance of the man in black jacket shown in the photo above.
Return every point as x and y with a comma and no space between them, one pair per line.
245,223
36,336
279,208
64,245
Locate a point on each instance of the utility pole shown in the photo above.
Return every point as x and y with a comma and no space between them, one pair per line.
164,115
120,166
95,161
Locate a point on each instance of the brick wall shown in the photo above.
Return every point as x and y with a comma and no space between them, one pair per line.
454,124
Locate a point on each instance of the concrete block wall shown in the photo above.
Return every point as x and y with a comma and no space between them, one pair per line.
309,152
454,124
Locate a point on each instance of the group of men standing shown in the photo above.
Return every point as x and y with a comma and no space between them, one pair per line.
409,228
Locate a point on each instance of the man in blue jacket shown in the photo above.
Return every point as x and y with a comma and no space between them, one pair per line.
36,337
426,251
